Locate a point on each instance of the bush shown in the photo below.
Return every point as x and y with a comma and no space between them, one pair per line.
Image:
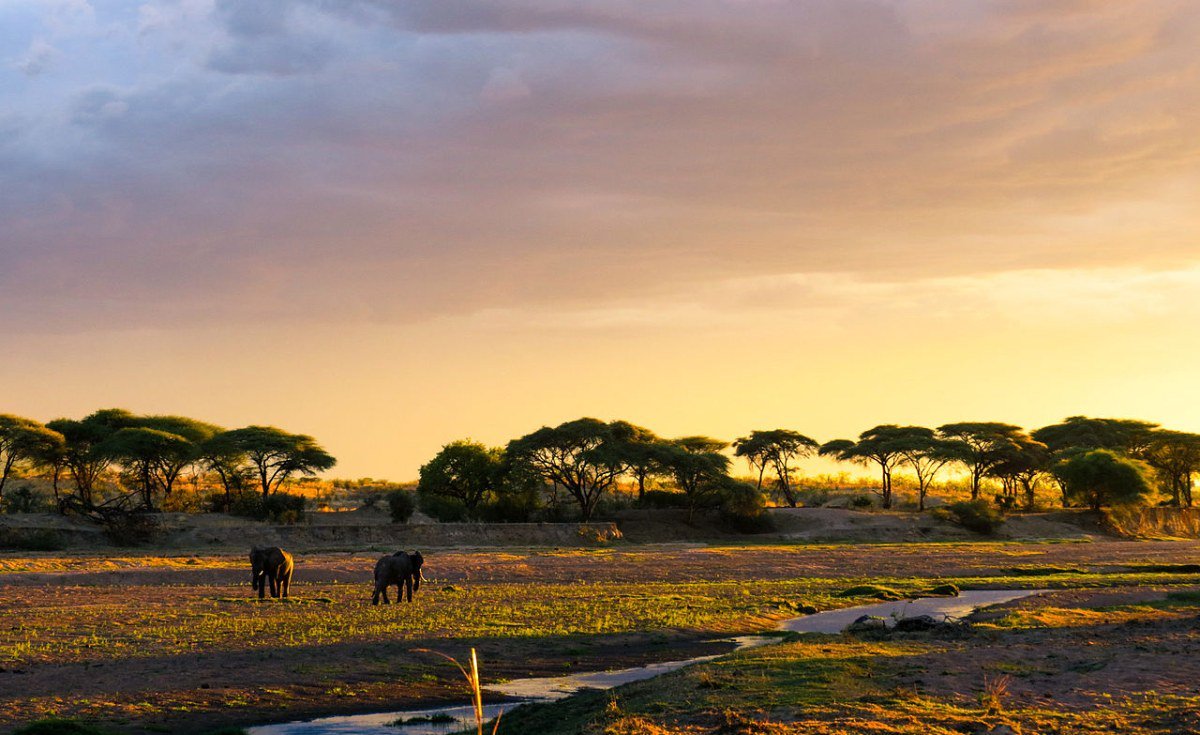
663,499
23,499
871,590
862,501
975,515
442,508
401,505
279,508
39,540
511,507
742,508
134,528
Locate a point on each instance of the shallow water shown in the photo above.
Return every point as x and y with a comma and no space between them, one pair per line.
552,688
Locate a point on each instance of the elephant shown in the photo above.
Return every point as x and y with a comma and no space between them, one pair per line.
271,565
401,569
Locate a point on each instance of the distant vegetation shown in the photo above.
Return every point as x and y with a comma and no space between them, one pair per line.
113,462
581,464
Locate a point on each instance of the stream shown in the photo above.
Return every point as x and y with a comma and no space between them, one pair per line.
552,688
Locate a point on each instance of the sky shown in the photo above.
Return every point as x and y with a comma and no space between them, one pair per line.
392,225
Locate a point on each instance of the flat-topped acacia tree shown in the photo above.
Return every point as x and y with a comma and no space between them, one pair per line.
778,449
23,440
272,455
981,446
882,445
583,456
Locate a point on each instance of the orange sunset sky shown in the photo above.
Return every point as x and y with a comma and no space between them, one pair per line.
391,225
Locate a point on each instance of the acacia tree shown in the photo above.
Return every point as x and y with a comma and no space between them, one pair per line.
698,466
1024,466
1125,436
1175,455
643,452
980,446
925,453
777,448
84,455
274,455
229,462
583,456
1101,477
145,452
464,470
23,440
880,446
171,465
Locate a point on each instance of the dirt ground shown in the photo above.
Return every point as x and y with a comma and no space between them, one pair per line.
152,641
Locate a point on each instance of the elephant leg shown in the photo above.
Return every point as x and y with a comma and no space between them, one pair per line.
407,588
375,595
386,601
274,585
261,586
285,584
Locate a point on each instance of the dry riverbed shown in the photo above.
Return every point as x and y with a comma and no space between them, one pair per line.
146,643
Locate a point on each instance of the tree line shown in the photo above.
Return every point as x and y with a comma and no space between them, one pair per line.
147,456
1093,462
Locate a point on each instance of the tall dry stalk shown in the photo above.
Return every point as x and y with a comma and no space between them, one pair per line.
472,677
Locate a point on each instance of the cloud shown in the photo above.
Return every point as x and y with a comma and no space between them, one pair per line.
203,162
39,59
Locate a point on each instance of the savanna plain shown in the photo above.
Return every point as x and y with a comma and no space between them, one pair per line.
145,641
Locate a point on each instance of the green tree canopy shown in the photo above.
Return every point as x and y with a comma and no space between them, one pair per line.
698,467
1023,465
1101,477
1175,456
980,446
1127,436
148,455
274,455
777,449
84,453
924,452
464,470
642,451
24,440
583,456
882,445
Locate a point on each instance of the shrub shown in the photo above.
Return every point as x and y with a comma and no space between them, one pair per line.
861,501
975,515
23,499
285,508
871,590
280,507
132,528
40,540
663,499
442,508
742,508
515,507
401,505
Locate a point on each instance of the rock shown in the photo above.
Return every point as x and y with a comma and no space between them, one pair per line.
917,623
867,624
805,609
944,590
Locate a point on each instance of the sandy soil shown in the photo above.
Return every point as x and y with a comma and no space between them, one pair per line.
193,692
675,562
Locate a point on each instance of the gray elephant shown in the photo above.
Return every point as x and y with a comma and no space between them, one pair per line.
401,569
271,565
